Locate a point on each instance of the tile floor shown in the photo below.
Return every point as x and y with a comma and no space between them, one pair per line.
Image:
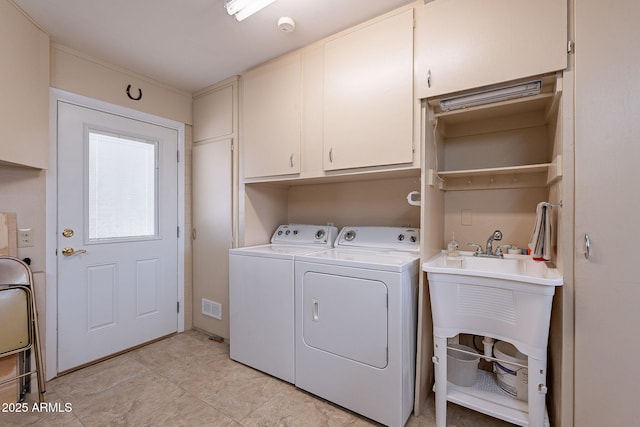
189,380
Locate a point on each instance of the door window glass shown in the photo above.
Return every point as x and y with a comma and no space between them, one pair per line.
122,189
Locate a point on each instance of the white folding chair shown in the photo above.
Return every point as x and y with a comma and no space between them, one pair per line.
19,320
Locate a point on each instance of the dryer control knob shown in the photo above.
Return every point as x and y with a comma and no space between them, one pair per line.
400,237
413,239
350,235
320,234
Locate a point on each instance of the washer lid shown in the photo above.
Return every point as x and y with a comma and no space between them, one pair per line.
383,260
275,251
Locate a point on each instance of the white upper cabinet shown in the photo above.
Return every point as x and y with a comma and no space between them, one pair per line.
213,113
24,85
368,95
464,44
271,118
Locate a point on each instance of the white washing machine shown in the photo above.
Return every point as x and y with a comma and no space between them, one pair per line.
261,302
356,315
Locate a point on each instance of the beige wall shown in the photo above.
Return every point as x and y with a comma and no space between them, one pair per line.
511,211
22,190
265,207
76,72
373,202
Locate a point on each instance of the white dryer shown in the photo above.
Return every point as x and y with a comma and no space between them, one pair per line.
261,302
356,316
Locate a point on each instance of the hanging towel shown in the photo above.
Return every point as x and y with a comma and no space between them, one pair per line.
540,243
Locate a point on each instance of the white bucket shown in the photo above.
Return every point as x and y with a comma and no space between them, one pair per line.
513,379
462,368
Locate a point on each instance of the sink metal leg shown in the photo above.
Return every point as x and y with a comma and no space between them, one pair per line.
440,369
537,390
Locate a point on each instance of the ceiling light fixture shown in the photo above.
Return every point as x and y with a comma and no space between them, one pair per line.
244,8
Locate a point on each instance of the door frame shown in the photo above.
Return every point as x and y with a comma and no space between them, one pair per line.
51,224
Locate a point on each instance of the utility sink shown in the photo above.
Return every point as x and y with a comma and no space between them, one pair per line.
519,268
506,298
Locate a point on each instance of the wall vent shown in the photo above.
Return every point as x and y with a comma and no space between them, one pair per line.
212,309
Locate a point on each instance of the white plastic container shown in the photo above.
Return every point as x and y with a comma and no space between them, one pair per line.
462,368
512,379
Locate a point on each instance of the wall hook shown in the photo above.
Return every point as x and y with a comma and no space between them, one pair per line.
131,97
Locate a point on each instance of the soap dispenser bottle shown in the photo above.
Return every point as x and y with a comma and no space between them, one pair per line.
452,247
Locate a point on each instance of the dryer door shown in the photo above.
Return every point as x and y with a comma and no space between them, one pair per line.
346,316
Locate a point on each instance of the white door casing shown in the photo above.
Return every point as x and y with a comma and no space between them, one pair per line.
123,291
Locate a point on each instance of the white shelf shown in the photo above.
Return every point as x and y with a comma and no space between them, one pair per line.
502,177
487,397
509,170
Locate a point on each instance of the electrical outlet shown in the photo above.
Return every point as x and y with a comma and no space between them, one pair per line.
25,238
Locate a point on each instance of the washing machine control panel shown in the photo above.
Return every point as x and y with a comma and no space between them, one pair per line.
305,234
392,238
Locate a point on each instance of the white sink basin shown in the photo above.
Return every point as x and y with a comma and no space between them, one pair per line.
520,268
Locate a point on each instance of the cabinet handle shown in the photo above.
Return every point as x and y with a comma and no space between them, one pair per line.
291,160
587,246
316,310
429,78
331,155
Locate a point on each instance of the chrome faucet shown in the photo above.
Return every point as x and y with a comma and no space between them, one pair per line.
495,236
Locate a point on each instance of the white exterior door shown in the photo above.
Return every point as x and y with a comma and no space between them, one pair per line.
117,233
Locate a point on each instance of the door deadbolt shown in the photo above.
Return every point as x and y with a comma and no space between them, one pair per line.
67,232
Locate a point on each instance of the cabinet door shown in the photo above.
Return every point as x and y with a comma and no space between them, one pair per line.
465,44
607,207
212,186
24,85
213,114
368,95
271,117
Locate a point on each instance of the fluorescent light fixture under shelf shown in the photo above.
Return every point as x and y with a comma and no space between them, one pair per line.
491,95
244,8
